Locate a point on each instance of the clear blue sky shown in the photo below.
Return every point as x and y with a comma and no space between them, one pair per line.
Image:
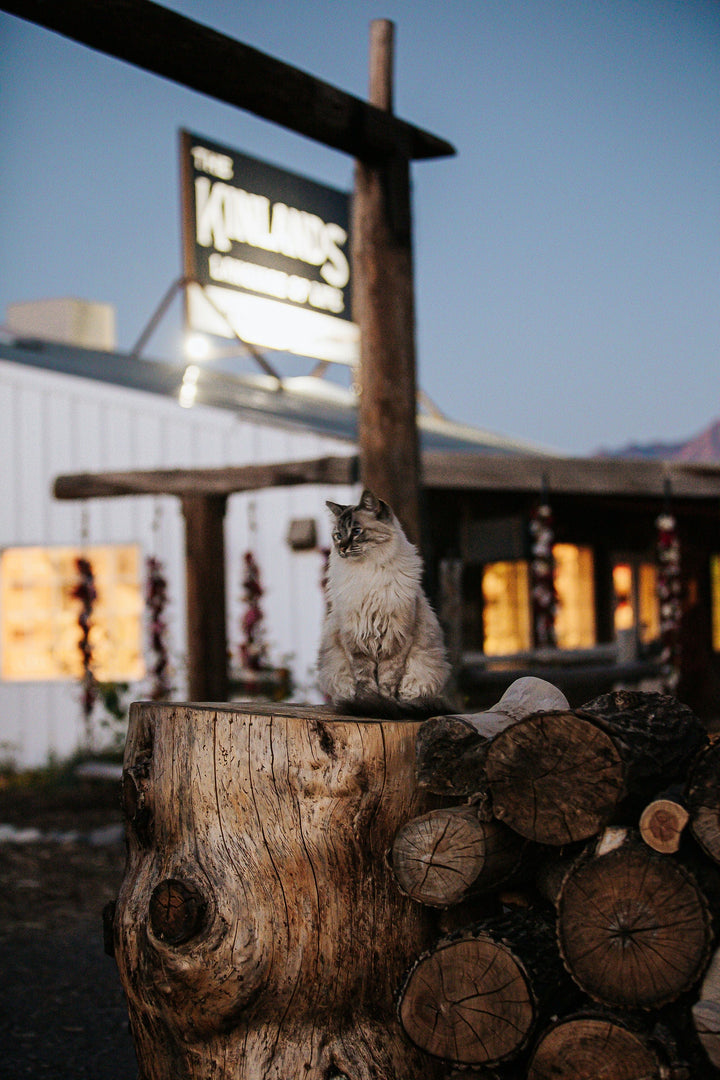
567,260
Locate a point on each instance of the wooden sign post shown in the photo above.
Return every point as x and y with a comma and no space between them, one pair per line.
384,309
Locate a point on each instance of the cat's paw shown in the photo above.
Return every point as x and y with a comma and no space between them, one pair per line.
413,688
342,689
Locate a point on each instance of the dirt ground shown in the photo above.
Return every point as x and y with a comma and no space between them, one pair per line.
62,1009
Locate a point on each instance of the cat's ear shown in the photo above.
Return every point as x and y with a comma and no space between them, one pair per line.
381,510
336,508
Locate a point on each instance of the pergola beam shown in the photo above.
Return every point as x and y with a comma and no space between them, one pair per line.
191,483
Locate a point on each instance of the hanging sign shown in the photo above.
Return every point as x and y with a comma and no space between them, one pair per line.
269,252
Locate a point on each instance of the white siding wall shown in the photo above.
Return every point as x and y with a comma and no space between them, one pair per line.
52,424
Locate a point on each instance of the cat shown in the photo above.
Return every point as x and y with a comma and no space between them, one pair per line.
381,650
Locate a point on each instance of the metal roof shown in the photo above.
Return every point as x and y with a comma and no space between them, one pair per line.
455,456
306,403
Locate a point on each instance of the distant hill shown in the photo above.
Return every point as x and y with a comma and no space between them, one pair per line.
702,447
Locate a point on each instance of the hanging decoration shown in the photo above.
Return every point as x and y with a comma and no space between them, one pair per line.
86,592
156,598
253,649
668,591
256,677
542,575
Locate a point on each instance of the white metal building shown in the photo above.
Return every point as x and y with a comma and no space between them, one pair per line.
65,409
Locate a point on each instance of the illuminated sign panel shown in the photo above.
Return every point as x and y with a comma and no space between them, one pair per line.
270,253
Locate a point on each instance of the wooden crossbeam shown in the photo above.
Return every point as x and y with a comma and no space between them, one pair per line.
206,482
168,44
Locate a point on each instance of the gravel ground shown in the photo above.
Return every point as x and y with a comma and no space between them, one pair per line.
62,1009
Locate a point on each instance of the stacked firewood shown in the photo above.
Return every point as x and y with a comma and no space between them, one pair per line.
573,862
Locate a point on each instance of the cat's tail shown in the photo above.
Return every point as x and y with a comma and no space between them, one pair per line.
378,707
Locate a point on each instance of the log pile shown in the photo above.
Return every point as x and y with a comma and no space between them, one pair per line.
574,872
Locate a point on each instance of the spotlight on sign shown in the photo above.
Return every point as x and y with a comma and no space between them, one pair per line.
196,347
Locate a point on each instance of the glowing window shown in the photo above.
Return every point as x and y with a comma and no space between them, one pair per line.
506,608
39,632
648,603
575,619
715,600
623,587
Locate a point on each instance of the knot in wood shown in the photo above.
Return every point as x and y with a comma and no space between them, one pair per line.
177,911
136,801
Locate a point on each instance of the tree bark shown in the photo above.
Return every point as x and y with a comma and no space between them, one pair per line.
475,998
442,857
655,734
633,927
703,800
259,931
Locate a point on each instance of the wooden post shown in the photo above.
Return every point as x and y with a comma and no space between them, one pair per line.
205,600
383,307
259,932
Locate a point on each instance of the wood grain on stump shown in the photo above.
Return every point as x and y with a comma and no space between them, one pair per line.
259,931
442,857
554,777
633,927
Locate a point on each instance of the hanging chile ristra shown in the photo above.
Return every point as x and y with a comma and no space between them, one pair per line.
156,596
668,590
542,568
252,647
86,592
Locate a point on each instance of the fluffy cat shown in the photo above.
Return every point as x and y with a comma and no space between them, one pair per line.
382,649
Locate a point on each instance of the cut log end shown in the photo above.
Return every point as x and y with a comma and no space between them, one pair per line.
442,857
584,1048
476,998
633,928
469,1003
554,777
661,825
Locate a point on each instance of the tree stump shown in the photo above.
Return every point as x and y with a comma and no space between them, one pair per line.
259,932
633,926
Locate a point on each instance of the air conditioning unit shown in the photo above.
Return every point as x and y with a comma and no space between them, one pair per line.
68,321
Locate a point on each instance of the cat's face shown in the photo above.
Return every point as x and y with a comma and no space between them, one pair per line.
359,529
